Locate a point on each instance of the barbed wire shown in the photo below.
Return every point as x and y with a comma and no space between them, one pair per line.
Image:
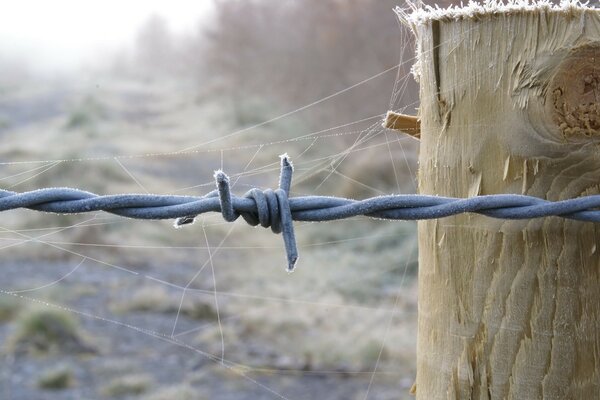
274,209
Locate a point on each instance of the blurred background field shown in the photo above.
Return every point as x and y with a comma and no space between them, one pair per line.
96,307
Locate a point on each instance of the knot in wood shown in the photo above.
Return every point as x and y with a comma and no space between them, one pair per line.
574,94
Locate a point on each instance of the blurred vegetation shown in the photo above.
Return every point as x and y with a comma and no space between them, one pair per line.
254,60
9,307
127,385
158,300
178,392
264,58
56,378
85,114
43,330
298,52
294,53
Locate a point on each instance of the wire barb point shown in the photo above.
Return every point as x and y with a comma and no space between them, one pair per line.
221,177
292,264
181,221
285,176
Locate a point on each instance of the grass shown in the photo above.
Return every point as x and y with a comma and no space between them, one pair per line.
176,392
148,298
4,123
340,300
9,307
156,299
199,310
42,330
312,335
56,378
373,351
128,385
86,114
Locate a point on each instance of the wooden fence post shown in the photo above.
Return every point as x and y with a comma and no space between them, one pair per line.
510,103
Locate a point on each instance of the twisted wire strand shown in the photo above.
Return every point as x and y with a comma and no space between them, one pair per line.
274,209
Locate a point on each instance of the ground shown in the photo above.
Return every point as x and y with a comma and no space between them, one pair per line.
141,294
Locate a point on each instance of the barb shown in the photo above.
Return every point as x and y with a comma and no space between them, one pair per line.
273,208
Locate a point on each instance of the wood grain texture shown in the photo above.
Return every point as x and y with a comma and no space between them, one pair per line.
509,309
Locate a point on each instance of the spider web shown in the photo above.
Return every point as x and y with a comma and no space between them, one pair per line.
212,301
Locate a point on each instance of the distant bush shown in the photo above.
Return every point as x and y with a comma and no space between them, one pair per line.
9,306
45,329
373,351
157,299
179,392
149,299
199,310
4,122
128,385
86,114
60,377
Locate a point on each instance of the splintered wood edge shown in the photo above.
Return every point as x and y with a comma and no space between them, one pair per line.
408,124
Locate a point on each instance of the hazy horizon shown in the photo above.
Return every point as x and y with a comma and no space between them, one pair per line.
66,34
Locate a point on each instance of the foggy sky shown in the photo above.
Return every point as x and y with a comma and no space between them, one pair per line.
61,34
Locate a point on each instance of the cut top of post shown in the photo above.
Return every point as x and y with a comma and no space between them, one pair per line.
417,13
511,66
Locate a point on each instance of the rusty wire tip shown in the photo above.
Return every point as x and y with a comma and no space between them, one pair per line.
181,221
